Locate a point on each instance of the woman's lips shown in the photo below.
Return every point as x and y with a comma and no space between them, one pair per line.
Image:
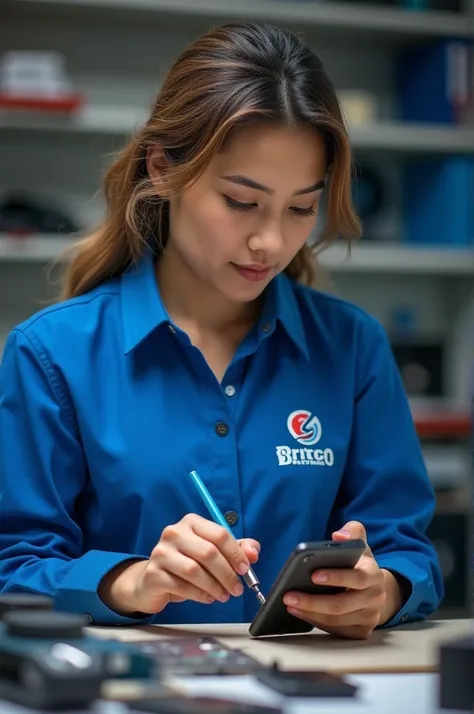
252,274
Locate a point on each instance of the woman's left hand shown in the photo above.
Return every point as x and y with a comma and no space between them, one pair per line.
372,598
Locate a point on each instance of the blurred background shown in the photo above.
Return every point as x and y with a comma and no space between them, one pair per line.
76,78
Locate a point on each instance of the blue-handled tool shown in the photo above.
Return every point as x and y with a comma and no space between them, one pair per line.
250,578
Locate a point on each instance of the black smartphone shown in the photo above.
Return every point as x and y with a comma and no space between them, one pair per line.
200,705
306,684
273,617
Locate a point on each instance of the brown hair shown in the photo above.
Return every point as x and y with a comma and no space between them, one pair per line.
231,75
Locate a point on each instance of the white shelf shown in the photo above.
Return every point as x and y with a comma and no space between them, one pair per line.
320,14
365,257
41,249
393,258
90,120
123,121
414,138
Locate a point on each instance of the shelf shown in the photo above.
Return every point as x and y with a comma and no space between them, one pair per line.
38,249
414,138
365,257
90,120
444,426
123,121
320,14
393,258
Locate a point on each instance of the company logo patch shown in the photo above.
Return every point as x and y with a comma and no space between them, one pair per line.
306,429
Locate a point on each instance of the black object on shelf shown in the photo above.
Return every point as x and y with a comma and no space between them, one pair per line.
421,366
22,215
368,195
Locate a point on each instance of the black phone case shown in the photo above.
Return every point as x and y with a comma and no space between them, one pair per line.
273,617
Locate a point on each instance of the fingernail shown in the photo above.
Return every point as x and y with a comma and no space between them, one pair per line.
238,590
242,569
256,551
320,577
224,597
345,533
291,600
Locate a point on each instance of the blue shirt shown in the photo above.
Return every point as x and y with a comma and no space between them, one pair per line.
105,407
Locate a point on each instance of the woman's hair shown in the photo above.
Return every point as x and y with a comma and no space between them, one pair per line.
232,75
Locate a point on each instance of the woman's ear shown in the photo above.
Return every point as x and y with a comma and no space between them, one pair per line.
156,164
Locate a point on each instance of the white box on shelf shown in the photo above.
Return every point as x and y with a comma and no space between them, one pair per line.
39,74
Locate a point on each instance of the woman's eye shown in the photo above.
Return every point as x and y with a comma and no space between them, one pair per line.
304,212
237,205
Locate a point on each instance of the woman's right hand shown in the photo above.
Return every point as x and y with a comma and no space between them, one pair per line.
194,559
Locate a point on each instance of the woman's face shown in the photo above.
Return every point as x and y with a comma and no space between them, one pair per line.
251,211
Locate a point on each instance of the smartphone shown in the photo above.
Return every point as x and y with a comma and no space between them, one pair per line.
273,617
306,684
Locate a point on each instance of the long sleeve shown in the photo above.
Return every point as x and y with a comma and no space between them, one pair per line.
43,472
385,485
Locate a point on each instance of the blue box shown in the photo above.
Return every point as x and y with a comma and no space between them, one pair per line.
438,202
433,82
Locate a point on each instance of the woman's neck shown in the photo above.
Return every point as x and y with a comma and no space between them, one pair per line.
189,302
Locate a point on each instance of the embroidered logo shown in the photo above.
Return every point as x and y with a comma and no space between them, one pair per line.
306,429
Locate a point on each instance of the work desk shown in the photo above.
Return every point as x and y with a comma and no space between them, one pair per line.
395,669
411,648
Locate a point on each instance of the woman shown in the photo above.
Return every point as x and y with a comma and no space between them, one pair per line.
189,338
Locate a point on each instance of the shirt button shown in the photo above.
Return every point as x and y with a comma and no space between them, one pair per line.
221,429
265,327
231,518
171,329
404,618
230,390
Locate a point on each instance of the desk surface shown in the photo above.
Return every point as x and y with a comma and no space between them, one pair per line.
378,694
408,648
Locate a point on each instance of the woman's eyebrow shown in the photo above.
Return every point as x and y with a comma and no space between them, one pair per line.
250,183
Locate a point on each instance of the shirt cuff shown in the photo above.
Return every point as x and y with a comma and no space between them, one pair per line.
78,592
422,590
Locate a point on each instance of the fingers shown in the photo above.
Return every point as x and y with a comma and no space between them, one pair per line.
251,549
158,580
202,563
200,560
353,530
357,578
340,604
355,625
219,536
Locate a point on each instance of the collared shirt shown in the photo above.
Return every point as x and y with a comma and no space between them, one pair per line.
106,406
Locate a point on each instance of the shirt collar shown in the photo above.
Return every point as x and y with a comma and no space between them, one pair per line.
143,310
281,306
